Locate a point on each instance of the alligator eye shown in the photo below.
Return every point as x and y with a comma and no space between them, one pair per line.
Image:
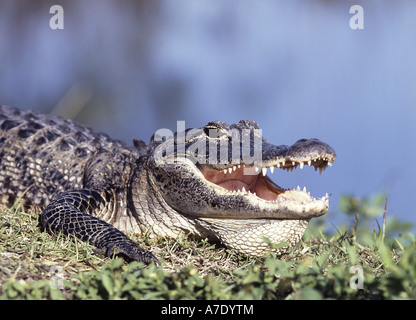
207,130
216,129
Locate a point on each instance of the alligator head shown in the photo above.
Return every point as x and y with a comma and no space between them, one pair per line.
217,176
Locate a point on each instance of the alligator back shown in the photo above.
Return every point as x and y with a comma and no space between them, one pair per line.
42,156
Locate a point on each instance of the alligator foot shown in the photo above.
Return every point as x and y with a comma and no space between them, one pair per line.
68,214
129,250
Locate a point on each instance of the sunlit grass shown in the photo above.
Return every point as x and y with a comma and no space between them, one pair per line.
38,265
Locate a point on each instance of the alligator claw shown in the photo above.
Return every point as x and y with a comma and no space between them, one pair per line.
129,251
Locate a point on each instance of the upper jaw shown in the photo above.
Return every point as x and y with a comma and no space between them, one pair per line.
310,152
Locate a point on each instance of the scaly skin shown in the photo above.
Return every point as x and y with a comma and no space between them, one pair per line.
96,188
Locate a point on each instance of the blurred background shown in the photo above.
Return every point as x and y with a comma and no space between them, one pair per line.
129,68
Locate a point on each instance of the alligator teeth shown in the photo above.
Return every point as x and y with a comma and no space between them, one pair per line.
294,164
243,189
321,169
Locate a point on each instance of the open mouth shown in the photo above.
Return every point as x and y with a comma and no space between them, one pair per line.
244,179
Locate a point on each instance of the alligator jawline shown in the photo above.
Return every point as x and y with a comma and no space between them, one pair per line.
235,180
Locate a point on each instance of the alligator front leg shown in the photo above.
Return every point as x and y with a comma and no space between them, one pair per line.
69,213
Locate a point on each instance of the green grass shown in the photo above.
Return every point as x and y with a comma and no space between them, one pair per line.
37,265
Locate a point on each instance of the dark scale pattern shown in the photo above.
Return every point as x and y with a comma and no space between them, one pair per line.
67,214
44,160
94,187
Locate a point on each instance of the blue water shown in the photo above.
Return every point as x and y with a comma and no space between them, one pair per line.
295,67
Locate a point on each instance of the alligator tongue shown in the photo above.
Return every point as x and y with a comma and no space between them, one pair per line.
236,180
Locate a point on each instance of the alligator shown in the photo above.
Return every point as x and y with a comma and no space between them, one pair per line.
209,182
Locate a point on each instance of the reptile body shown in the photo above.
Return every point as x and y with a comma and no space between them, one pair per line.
204,182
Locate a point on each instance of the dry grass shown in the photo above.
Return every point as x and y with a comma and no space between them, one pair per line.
317,268
28,254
